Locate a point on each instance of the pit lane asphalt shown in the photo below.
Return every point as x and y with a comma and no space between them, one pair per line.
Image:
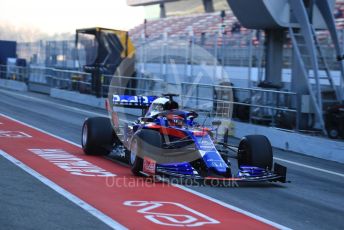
313,200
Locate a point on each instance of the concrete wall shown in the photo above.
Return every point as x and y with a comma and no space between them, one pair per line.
300,143
283,139
78,98
14,85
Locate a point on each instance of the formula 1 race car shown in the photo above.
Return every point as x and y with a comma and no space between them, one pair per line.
169,142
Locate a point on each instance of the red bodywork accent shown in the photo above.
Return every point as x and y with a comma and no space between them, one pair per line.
114,118
149,165
200,133
166,130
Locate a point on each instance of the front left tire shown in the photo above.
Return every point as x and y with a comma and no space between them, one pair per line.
141,142
255,150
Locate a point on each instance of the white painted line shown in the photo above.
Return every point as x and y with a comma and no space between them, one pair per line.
38,129
103,115
99,114
276,158
310,167
182,187
179,186
274,224
88,208
55,103
60,105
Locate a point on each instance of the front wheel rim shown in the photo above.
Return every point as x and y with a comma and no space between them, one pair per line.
84,135
133,152
334,133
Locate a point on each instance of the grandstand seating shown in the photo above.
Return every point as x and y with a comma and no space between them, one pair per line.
207,23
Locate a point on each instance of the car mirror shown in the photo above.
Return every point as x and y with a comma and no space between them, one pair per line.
146,119
216,123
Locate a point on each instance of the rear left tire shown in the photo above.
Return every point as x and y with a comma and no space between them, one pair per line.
97,136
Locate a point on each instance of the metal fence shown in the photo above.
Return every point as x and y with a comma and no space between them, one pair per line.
260,107
268,107
57,54
16,73
241,56
243,49
240,49
237,50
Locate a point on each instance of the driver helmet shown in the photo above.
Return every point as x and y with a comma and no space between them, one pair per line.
170,105
175,120
159,107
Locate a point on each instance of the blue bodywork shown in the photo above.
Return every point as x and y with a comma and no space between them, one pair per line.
208,154
210,163
203,142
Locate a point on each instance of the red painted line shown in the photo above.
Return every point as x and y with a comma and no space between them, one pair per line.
129,200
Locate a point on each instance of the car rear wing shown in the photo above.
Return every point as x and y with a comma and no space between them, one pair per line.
131,101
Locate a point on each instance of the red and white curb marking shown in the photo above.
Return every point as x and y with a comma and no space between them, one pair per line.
61,165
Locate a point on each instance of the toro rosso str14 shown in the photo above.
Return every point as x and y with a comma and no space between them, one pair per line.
168,142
